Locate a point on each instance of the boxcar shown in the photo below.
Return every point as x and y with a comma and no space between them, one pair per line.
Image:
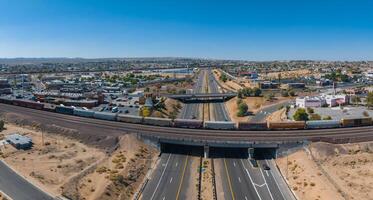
105,116
349,122
6,100
83,113
323,124
28,104
157,121
188,123
220,125
252,126
49,107
130,118
65,110
286,125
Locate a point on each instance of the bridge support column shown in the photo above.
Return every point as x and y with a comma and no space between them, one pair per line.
251,152
206,151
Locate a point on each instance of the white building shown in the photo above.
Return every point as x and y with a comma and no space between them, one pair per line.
320,101
305,102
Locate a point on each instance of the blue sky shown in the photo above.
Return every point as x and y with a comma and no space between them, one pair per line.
251,30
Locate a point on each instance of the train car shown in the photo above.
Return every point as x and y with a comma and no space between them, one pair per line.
6,100
286,125
188,123
350,122
49,107
224,125
65,110
83,113
28,104
252,126
130,119
157,121
105,116
319,124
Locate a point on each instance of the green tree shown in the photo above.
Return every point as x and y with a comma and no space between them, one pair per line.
257,92
300,115
242,109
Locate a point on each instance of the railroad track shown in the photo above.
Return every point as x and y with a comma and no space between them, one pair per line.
196,133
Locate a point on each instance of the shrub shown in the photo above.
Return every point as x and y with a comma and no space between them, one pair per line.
242,109
300,115
315,117
327,118
310,110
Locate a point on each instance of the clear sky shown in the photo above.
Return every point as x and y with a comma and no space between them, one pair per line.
230,29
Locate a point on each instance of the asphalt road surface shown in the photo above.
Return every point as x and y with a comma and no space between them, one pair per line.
192,110
170,178
262,114
219,109
17,187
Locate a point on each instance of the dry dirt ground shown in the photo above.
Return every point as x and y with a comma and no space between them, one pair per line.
288,74
207,186
255,104
51,165
121,174
228,85
278,116
331,171
172,105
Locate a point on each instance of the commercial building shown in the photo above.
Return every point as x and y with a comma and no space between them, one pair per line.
321,101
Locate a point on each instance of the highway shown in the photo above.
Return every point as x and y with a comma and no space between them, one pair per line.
240,179
17,187
193,110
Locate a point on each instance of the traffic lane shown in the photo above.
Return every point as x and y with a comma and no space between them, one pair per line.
17,187
242,187
257,177
184,181
170,184
157,176
277,193
226,193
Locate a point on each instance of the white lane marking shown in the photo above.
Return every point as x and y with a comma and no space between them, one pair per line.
260,185
251,180
278,185
239,179
234,163
245,197
269,191
267,172
176,164
160,179
171,180
164,198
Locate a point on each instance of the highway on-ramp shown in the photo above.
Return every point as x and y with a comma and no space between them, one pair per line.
17,188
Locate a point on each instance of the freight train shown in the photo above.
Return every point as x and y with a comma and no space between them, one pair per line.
192,123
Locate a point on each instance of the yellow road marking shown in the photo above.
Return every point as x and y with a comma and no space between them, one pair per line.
182,178
229,179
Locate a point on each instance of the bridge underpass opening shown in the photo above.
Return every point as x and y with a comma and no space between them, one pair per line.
228,152
182,149
264,153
